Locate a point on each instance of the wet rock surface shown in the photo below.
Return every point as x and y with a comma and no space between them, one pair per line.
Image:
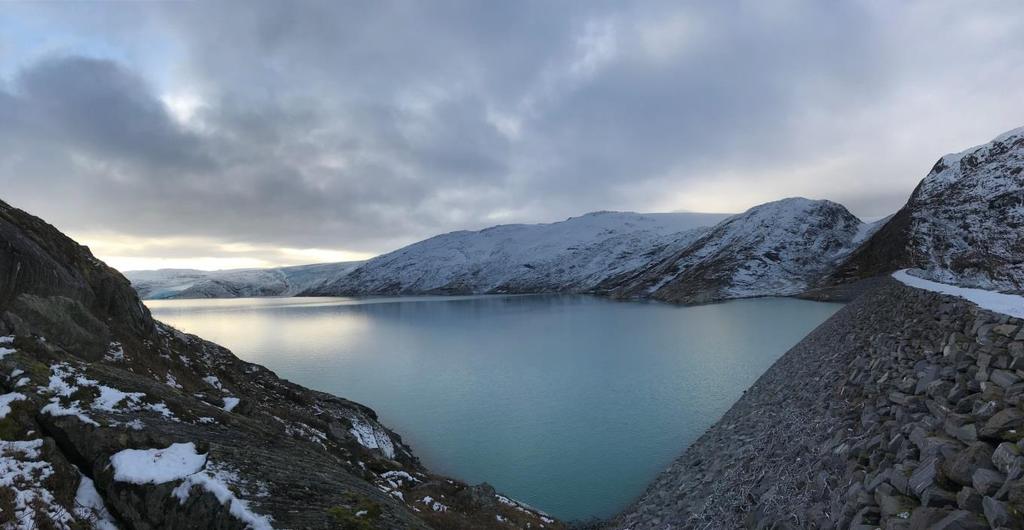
903,411
86,375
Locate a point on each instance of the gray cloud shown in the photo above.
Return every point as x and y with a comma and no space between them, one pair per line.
349,126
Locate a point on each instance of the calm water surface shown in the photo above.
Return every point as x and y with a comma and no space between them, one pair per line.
569,403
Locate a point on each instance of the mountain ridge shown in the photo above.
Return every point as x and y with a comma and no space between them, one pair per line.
960,224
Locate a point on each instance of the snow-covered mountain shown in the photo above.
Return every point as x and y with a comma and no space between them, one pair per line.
964,224
778,248
235,283
569,256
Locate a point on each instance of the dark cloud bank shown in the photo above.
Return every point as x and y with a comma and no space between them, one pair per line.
363,126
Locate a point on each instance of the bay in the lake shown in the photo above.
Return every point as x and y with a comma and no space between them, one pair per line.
569,403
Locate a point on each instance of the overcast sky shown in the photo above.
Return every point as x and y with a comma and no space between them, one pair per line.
223,134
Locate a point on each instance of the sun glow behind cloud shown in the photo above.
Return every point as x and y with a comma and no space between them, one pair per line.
127,253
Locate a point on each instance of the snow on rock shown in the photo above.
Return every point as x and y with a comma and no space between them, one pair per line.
22,475
963,224
213,381
66,380
6,400
156,466
372,437
775,249
398,479
572,255
54,408
434,505
180,461
89,506
115,352
230,403
1007,304
110,398
218,481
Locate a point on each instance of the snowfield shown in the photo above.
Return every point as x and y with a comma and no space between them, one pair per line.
775,249
236,283
569,256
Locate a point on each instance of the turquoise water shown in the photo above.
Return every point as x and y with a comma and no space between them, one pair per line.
569,403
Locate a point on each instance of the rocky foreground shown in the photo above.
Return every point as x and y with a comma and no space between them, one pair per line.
110,419
905,410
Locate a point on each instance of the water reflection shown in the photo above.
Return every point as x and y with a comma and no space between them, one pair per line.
570,403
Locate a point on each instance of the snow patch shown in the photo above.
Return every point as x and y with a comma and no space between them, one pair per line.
115,352
216,481
371,437
54,408
22,473
1007,304
4,343
213,381
110,398
156,466
6,400
230,403
89,506
434,505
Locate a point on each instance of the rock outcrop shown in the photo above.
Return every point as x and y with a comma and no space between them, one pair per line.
962,224
108,417
905,410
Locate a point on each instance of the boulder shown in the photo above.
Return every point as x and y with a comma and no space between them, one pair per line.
1007,424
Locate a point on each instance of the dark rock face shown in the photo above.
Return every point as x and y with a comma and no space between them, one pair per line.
49,282
86,375
898,412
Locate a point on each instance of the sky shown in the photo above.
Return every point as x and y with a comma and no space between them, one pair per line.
249,134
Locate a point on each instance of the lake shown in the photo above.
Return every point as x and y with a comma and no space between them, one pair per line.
571,404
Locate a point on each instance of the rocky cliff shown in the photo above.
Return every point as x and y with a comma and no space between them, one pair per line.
905,410
962,224
111,419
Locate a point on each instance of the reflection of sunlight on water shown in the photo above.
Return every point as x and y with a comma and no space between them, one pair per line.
261,331
535,394
246,304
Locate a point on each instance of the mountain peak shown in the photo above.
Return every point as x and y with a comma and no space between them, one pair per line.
962,225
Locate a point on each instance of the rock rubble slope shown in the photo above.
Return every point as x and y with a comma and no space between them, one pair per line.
903,411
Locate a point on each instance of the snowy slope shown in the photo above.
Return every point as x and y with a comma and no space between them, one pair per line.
968,216
778,248
188,283
963,225
569,256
